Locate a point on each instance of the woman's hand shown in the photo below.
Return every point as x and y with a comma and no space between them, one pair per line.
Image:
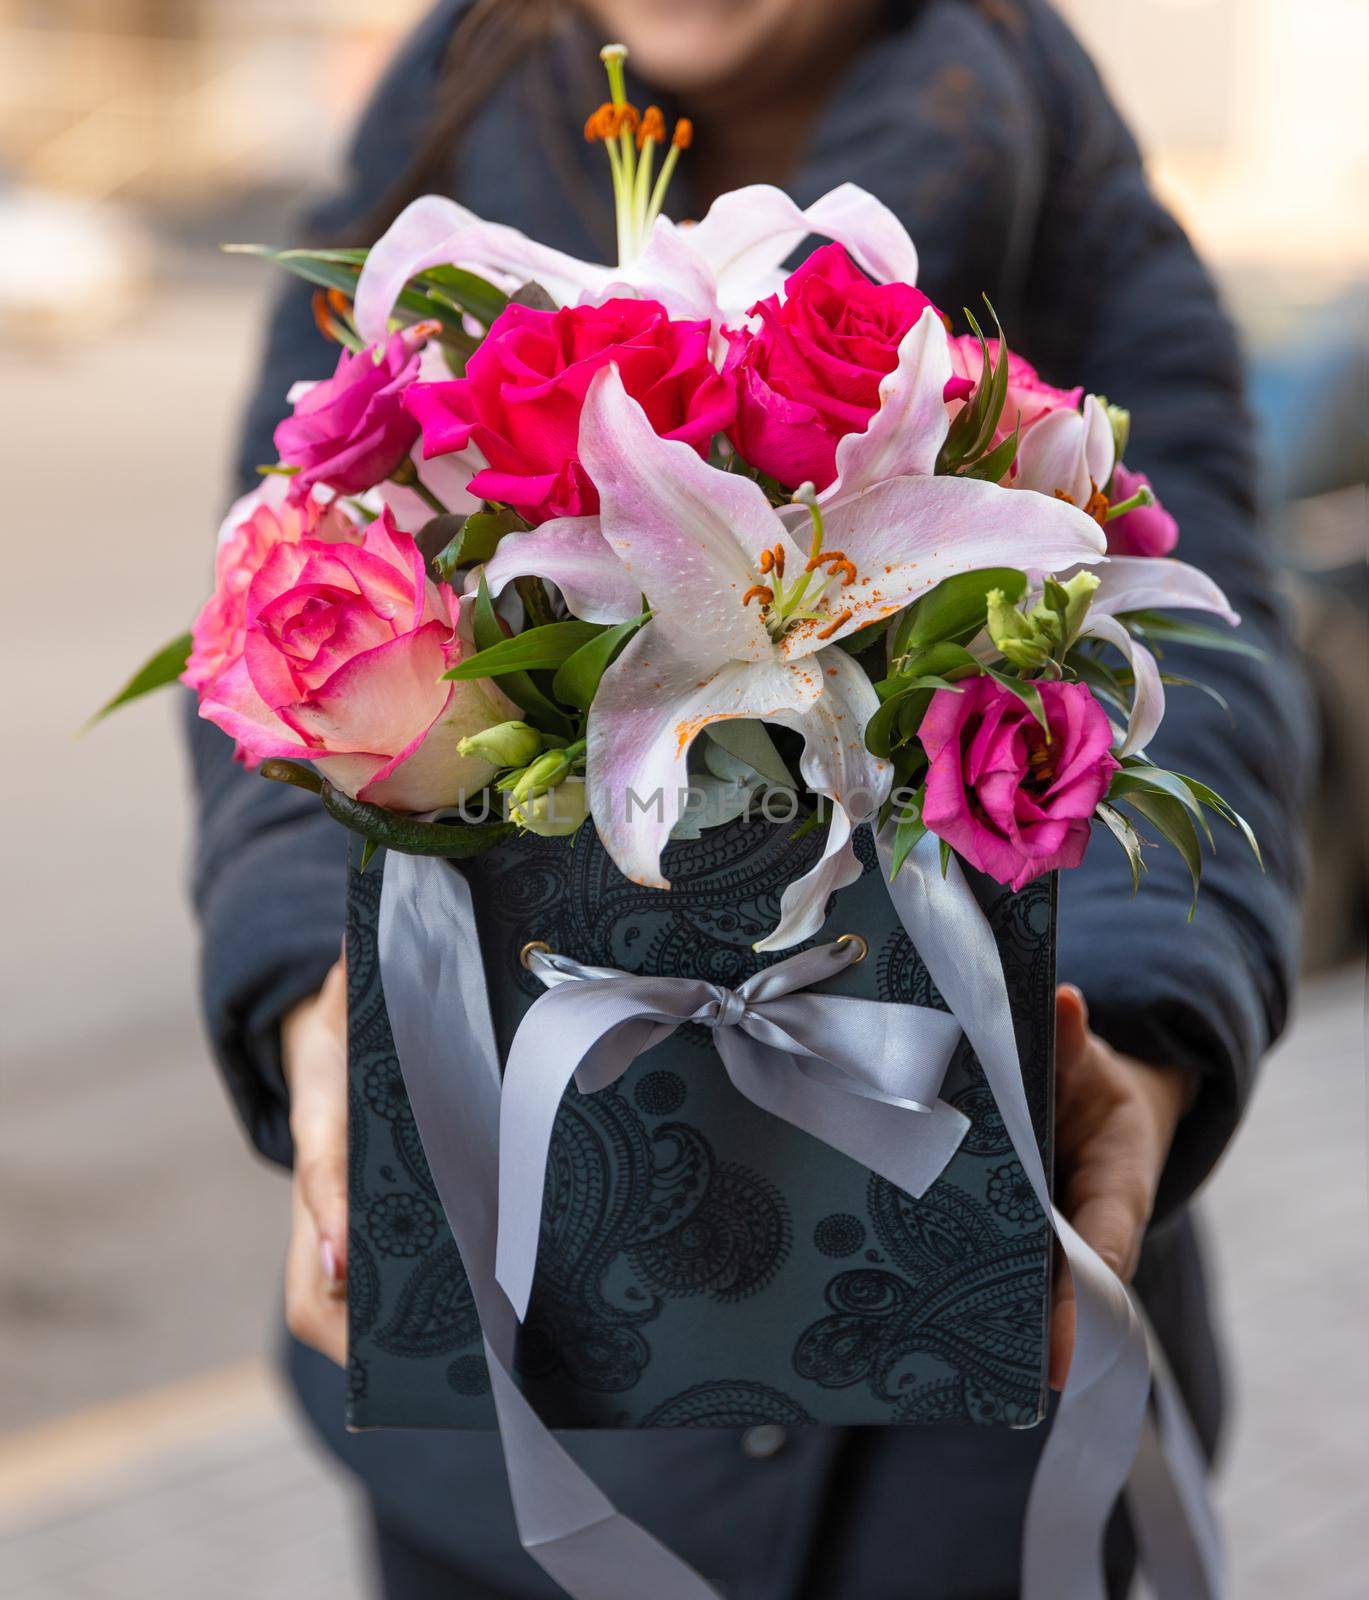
1114,1122
314,1047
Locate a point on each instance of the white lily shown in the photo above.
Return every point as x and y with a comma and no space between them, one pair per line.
1147,583
1068,453
746,622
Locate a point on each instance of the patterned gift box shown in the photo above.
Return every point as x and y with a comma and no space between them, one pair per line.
701,1262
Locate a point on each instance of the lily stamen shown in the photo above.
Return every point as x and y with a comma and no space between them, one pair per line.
630,139
838,621
767,595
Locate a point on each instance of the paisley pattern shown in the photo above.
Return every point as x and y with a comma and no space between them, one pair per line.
701,1264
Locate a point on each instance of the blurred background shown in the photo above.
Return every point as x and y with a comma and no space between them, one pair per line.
144,1447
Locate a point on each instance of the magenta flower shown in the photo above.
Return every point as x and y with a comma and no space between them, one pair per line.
1013,801
351,431
810,373
1146,531
520,401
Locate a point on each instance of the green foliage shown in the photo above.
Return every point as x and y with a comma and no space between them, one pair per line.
469,540
955,609
541,711
164,667
547,646
577,678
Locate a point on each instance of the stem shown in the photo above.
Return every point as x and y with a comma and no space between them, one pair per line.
535,601
662,184
406,476
1142,497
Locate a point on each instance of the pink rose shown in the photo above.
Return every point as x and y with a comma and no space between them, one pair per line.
1029,397
519,402
1012,802
269,516
352,430
344,654
1146,531
810,373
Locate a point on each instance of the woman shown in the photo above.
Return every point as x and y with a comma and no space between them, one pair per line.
985,128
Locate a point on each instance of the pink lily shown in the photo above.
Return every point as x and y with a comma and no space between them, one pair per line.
1067,453
715,269
747,623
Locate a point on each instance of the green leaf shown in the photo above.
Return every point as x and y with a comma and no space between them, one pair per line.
956,608
1153,625
992,466
163,668
472,539
465,291
1174,822
909,829
1126,836
1228,813
945,858
748,741
547,646
1137,775
1026,692
368,849
1099,677
577,678
520,688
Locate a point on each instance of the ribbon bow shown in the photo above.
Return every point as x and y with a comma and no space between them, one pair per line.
851,1072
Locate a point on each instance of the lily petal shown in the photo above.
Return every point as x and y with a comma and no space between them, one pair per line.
672,271
652,703
1050,457
434,231
572,553
1157,583
748,233
905,536
905,435
803,905
681,528
1148,693
835,762
1100,444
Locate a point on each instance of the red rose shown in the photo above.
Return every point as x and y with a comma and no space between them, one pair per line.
520,400
810,373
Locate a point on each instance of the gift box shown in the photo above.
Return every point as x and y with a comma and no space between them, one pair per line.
701,1262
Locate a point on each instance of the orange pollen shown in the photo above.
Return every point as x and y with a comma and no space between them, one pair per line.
323,314
835,561
1067,498
653,125
767,560
779,560
339,302
1097,507
836,622
603,123
766,595
684,134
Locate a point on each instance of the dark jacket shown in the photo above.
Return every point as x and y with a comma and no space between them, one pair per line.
986,129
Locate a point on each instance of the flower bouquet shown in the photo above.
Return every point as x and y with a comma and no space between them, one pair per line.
673,599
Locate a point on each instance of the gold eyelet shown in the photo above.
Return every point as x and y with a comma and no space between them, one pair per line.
856,939
531,948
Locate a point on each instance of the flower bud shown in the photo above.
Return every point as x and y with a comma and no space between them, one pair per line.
1078,596
555,814
545,773
1120,419
1015,636
507,744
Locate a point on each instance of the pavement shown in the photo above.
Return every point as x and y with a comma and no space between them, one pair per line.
147,1450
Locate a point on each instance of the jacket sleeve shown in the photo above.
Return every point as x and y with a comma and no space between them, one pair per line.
1117,300
269,873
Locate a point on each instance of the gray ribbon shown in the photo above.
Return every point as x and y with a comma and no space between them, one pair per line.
434,981
860,1075
1101,1426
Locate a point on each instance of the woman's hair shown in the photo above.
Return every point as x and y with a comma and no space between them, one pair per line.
494,40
